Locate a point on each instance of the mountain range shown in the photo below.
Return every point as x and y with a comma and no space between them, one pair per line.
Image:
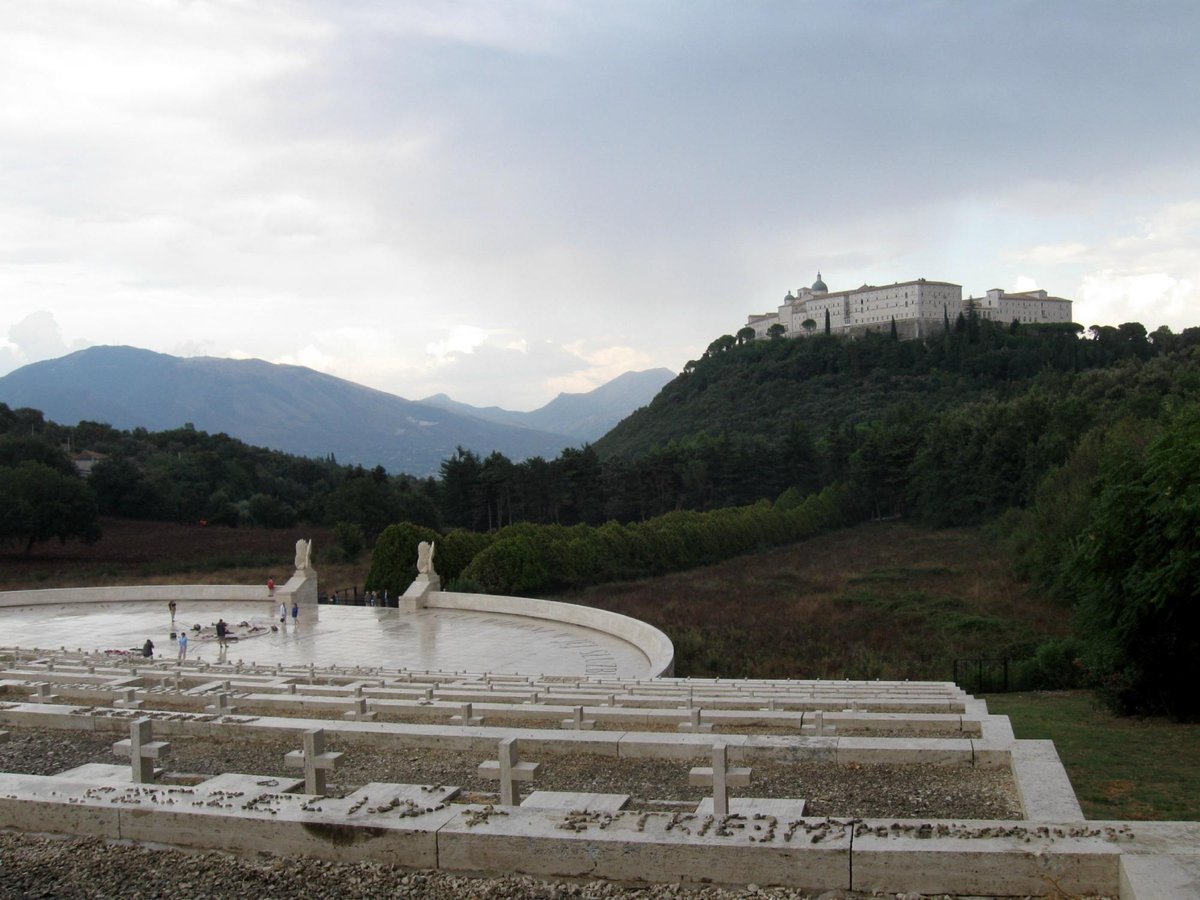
583,417
308,413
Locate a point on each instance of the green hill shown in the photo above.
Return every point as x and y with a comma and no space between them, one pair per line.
762,388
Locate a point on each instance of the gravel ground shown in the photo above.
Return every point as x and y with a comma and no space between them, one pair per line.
36,866
874,791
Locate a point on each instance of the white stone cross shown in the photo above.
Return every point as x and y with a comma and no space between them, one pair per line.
314,760
358,711
720,777
818,723
578,722
220,705
141,750
465,717
509,769
42,693
127,699
694,725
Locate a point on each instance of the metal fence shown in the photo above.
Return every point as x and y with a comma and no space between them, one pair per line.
979,675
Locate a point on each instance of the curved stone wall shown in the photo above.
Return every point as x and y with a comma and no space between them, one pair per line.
657,646
300,588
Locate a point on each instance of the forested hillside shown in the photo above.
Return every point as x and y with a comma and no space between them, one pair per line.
827,383
183,475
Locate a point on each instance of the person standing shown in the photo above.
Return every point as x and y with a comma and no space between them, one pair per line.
183,642
295,611
171,607
221,630
282,613
271,586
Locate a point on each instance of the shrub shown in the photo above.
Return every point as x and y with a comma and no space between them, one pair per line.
509,566
454,551
394,560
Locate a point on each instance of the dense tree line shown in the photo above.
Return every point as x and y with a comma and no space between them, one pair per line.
1113,534
527,559
190,476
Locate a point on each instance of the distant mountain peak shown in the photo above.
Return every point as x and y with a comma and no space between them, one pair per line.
583,417
300,410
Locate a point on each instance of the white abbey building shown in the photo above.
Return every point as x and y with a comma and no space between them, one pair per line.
919,308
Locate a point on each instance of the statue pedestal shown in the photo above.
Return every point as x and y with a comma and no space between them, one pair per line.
418,592
301,587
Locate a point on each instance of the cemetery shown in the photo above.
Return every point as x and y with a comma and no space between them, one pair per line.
588,763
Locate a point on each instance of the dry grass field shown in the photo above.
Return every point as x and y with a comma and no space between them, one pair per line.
134,552
882,600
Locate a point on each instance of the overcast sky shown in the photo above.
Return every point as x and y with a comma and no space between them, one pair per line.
504,200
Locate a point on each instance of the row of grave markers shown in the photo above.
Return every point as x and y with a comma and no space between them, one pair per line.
508,768
360,712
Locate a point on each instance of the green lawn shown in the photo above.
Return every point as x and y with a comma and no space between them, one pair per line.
1121,768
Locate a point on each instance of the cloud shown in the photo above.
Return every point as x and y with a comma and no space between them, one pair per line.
1054,254
506,199
1152,298
463,339
38,336
32,339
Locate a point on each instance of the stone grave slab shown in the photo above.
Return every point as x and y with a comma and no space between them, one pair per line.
1164,877
99,773
571,800
640,847
265,820
402,799
53,804
982,857
252,784
1042,783
782,808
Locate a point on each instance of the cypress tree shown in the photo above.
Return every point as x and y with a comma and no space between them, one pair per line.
827,321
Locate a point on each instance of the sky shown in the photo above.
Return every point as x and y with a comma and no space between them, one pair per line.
504,200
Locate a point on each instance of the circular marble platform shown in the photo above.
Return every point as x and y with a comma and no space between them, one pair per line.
435,639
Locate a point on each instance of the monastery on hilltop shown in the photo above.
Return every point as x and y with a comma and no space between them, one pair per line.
919,308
